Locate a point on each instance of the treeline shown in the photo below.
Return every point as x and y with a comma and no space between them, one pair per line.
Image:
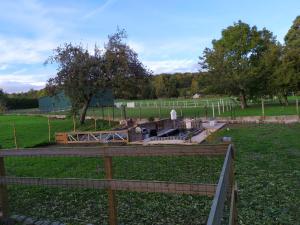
182,85
26,100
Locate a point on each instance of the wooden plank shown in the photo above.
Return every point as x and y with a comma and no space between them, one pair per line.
112,208
216,212
116,185
233,208
170,150
98,132
3,192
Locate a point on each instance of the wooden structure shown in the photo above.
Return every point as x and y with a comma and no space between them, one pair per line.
84,137
224,188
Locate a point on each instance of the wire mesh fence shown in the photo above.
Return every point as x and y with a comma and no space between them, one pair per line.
131,185
29,131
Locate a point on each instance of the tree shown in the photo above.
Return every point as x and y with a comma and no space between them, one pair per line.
287,77
234,59
127,75
160,86
171,87
80,75
3,101
194,86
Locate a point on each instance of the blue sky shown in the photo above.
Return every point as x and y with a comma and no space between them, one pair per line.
168,35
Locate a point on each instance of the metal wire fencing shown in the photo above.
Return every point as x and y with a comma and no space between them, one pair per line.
113,185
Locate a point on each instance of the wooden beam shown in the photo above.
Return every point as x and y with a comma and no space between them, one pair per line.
139,150
117,185
112,203
216,212
3,192
233,220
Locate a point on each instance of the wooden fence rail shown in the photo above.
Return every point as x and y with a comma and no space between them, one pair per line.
225,186
111,184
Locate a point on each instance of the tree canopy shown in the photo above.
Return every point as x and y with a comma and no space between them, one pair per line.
234,61
81,75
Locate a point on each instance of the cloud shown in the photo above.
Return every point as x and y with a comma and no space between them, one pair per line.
13,87
169,48
26,51
172,66
99,9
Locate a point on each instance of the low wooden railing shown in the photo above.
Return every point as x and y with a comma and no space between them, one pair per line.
112,185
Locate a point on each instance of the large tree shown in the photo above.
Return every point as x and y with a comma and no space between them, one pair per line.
80,75
287,77
126,73
234,59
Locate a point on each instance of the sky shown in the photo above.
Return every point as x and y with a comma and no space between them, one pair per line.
168,35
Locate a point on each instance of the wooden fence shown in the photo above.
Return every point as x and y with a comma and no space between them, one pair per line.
219,191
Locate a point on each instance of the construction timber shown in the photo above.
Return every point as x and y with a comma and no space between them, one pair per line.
112,136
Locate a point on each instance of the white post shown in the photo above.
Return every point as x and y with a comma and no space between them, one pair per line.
297,106
263,107
223,105
213,109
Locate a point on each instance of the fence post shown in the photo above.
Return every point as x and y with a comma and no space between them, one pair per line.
95,123
112,209
3,192
263,107
140,112
49,129
159,112
15,135
74,124
124,112
297,107
213,109
223,106
102,108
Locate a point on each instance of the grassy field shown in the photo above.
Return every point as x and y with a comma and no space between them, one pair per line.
252,110
267,172
160,108
33,130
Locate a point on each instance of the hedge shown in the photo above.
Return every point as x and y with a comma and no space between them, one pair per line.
22,103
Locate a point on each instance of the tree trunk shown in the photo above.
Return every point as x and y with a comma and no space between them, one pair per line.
286,101
243,100
280,100
83,113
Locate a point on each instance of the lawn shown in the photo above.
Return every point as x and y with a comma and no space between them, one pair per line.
160,108
33,130
267,172
195,111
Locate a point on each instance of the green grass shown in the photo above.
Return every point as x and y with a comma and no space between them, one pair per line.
194,108
33,130
267,172
90,206
252,110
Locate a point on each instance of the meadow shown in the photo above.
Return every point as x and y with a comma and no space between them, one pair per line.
202,107
33,131
267,172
